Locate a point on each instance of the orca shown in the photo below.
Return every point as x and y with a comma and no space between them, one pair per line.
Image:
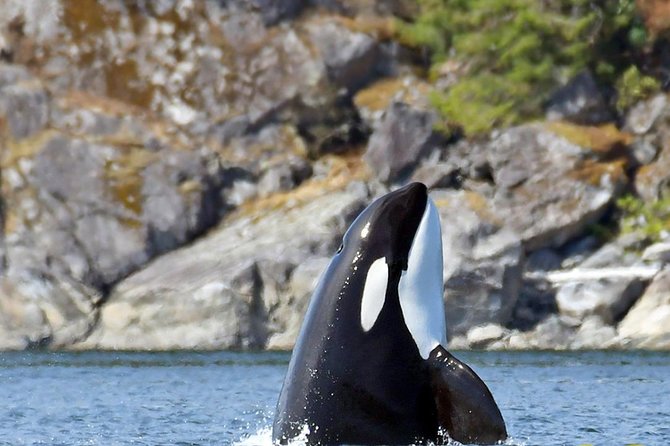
370,365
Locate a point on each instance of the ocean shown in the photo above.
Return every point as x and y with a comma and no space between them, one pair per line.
228,398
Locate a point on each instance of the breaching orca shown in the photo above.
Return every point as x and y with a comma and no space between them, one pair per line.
370,365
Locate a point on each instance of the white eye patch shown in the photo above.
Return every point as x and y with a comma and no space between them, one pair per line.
374,293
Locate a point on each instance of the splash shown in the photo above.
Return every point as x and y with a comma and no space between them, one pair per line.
264,438
261,438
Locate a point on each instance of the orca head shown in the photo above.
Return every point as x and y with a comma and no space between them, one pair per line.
396,242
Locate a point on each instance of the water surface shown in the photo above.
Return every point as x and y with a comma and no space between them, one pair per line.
224,398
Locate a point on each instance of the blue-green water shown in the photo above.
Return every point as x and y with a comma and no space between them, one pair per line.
225,398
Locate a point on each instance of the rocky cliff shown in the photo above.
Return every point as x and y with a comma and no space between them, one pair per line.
176,174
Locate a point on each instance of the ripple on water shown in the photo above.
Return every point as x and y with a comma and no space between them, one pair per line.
227,398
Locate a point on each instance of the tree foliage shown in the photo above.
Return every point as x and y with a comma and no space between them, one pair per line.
514,53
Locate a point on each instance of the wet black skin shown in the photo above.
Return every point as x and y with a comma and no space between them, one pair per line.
368,388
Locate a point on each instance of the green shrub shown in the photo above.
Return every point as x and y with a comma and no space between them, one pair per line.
651,219
633,86
516,52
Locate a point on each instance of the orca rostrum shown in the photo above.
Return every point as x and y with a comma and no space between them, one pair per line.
370,366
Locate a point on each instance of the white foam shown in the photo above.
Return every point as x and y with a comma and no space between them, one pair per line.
264,438
421,286
374,293
261,438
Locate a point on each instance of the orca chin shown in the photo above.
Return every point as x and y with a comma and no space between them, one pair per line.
370,365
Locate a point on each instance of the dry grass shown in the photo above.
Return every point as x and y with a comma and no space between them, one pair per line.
603,140
343,170
593,172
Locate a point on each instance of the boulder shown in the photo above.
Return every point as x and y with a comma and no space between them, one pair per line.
653,180
373,100
245,284
650,121
606,298
38,309
92,190
553,333
658,252
482,262
594,334
644,115
580,101
483,336
350,57
550,184
647,324
403,138
437,175
609,299
102,210
644,150
261,163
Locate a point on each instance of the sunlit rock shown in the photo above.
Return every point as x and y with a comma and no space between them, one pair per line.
482,262
653,180
404,136
607,298
548,186
484,336
647,324
242,285
40,309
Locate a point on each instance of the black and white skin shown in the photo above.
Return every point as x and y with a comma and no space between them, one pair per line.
370,365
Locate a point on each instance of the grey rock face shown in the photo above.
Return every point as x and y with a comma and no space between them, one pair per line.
38,309
287,315
552,333
92,213
437,175
644,150
261,163
88,197
485,335
126,142
236,287
609,299
350,57
274,11
372,101
647,324
223,61
546,188
653,180
579,101
482,262
658,252
594,334
404,136
25,106
650,120
643,116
